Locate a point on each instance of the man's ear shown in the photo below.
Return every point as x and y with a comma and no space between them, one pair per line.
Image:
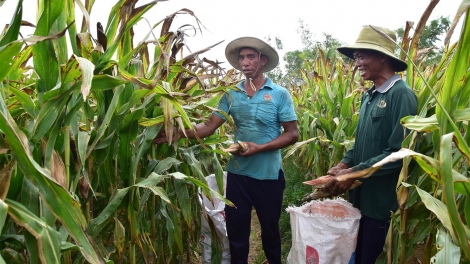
384,58
264,59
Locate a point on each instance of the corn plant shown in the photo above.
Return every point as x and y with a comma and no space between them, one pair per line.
437,188
326,104
80,178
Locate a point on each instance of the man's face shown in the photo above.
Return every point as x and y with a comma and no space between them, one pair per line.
369,64
250,62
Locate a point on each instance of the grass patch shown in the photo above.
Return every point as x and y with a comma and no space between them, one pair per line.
293,194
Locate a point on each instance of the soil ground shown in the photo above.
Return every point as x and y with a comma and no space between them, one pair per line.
418,255
256,254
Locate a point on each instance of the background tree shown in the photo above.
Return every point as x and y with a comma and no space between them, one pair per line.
275,74
310,51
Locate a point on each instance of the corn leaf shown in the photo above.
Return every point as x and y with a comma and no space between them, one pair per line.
7,55
119,236
67,210
3,213
437,207
25,101
170,228
45,61
107,119
464,6
450,94
105,82
145,143
182,193
5,177
420,124
48,115
131,18
98,223
17,67
445,158
448,252
14,27
48,239
87,68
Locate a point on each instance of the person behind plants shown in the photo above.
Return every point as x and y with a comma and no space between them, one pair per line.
378,134
264,117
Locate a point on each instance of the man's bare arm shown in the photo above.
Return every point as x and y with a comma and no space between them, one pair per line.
289,137
203,130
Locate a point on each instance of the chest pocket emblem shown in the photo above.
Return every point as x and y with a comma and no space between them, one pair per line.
267,97
382,104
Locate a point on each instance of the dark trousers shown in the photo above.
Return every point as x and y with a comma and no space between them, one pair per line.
370,239
266,197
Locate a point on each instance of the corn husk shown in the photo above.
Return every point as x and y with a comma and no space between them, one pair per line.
234,148
319,191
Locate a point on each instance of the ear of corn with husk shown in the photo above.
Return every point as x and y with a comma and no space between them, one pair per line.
319,191
234,148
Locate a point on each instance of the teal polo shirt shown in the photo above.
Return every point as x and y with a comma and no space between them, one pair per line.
378,134
258,119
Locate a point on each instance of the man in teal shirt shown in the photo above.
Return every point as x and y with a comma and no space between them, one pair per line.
378,134
265,120
258,119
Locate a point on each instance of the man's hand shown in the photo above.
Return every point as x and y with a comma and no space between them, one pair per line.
160,138
252,149
336,187
334,170
201,130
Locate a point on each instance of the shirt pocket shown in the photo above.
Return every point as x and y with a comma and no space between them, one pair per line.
376,119
266,114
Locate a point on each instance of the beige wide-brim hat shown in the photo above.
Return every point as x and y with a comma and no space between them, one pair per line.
233,48
370,39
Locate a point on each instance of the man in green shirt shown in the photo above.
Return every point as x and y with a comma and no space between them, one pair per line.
378,134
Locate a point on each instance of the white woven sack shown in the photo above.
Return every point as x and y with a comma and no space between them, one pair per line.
216,212
323,232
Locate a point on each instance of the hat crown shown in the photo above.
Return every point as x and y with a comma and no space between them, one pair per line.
370,39
233,48
370,36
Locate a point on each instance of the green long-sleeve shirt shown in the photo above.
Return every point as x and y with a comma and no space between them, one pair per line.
378,134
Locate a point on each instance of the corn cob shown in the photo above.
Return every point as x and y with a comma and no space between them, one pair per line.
319,191
234,148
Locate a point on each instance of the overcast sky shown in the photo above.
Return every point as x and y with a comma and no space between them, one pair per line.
227,20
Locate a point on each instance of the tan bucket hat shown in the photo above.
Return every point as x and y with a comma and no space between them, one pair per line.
232,49
371,40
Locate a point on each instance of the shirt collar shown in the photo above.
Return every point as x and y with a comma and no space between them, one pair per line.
268,84
389,83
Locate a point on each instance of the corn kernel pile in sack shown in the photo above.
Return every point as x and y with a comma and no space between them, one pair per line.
323,232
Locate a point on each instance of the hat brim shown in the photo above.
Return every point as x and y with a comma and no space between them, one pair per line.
233,48
348,51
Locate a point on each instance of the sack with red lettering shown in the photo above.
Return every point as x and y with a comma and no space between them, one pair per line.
323,232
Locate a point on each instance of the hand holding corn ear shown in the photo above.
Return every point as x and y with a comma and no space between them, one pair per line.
237,147
320,191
